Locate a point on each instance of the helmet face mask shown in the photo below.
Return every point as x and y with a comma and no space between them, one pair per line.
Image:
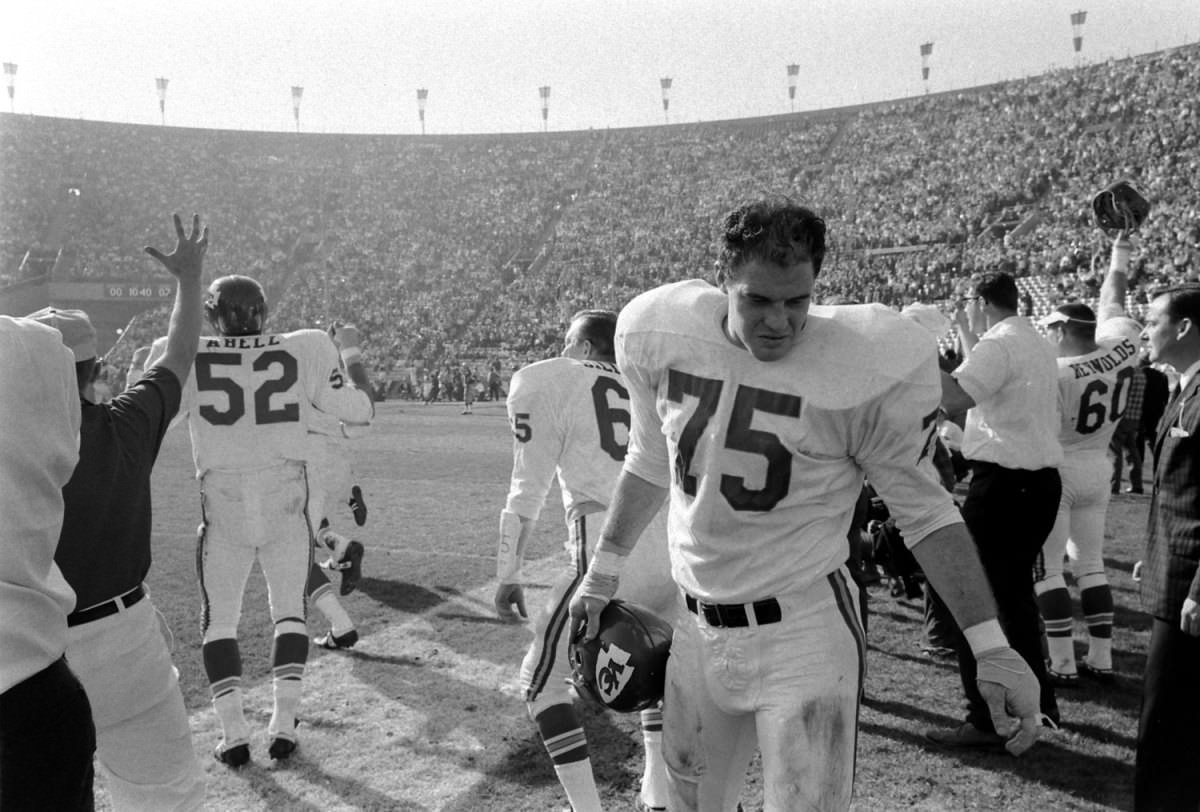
236,306
624,667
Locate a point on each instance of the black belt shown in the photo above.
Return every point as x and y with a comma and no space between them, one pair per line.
734,614
109,607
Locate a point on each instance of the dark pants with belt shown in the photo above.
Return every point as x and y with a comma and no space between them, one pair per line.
47,741
1168,751
1010,512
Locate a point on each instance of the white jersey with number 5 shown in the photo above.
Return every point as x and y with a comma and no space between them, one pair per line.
1093,390
765,461
569,417
250,399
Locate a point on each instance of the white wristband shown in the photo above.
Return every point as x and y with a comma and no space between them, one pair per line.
985,636
351,355
608,563
1121,250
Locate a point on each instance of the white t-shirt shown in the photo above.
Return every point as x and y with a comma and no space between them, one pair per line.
39,446
1012,375
569,418
765,461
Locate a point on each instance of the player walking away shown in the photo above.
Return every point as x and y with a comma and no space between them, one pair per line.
760,415
329,480
468,388
1096,367
570,416
248,405
116,646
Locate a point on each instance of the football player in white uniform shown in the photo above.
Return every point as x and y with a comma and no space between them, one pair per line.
248,404
330,482
1096,363
570,416
760,415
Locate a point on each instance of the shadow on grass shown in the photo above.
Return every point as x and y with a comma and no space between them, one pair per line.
400,595
1103,780
360,796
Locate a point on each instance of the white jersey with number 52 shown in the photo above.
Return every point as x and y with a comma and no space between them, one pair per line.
568,417
250,400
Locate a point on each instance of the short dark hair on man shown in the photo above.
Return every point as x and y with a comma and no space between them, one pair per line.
998,288
1183,302
1082,322
774,230
599,327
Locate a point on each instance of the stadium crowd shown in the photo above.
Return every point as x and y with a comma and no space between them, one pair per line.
479,247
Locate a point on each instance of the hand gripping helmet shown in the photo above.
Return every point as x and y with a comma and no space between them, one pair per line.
624,667
236,306
1120,205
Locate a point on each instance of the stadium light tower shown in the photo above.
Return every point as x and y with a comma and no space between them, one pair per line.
1078,18
422,95
10,76
297,94
161,84
793,75
926,52
665,83
544,92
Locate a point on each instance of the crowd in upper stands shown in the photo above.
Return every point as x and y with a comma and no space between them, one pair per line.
477,249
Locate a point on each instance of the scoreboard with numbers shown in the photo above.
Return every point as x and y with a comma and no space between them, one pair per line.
136,290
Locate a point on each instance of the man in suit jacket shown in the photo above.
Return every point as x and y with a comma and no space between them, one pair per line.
1167,748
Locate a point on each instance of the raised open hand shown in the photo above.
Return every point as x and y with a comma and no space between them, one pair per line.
187,260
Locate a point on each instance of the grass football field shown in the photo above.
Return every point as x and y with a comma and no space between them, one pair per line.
423,713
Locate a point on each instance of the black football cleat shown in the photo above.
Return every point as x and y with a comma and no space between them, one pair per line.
337,642
234,757
351,567
281,748
358,505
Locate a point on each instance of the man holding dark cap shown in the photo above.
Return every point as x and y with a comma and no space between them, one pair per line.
144,742
1095,374
1008,382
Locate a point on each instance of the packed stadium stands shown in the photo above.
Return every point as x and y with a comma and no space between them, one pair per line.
477,248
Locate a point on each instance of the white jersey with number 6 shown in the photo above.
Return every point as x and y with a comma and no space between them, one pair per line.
251,399
569,417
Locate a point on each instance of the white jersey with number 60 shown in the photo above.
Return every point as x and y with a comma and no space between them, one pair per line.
1093,391
250,400
569,417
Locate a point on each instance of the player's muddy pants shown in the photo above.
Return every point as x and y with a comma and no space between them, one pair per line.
784,674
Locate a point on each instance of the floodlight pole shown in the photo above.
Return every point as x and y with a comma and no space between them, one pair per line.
1078,18
793,73
297,94
544,92
422,95
926,52
665,84
10,76
161,84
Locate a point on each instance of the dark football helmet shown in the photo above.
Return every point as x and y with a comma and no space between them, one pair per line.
236,306
624,667
1119,206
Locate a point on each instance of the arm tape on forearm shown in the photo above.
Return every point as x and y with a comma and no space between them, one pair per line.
1120,256
985,636
509,554
603,575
